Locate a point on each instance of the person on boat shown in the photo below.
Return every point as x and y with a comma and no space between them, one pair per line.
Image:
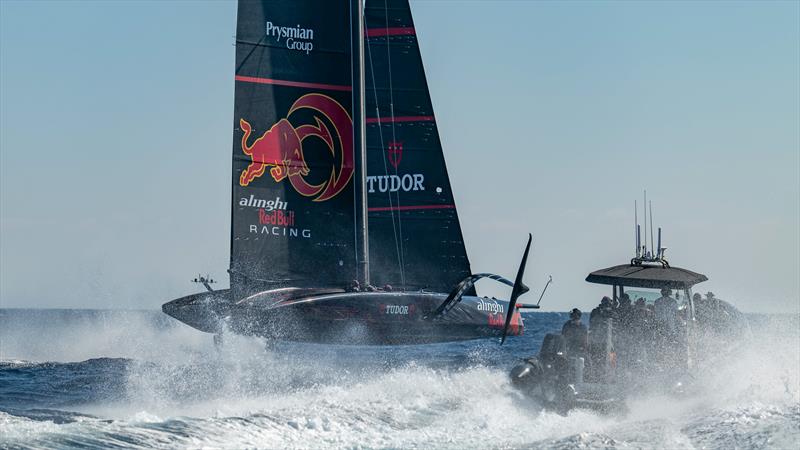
604,310
666,309
623,331
576,334
624,312
601,345
667,329
642,326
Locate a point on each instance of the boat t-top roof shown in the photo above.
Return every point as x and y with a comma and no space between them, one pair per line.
646,276
649,268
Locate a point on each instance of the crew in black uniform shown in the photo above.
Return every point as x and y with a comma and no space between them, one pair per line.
576,334
601,346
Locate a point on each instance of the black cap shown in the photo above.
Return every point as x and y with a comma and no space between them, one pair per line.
575,313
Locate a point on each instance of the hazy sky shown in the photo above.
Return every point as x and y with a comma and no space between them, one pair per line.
115,139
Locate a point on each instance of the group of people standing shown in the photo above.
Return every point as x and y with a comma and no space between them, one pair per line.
627,335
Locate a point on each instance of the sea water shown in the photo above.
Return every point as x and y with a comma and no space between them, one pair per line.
129,379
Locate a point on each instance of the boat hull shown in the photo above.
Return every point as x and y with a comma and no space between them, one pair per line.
362,318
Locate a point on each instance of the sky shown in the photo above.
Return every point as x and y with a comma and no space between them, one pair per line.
115,143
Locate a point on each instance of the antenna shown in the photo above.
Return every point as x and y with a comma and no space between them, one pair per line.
659,242
655,254
638,240
651,228
644,249
636,226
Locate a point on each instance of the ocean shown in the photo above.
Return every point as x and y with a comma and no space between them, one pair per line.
131,379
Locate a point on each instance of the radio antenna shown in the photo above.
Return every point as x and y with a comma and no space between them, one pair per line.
651,228
636,226
659,243
644,248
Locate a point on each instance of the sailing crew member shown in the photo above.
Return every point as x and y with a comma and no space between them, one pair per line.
601,346
576,334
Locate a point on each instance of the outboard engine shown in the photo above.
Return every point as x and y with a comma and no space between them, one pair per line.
550,377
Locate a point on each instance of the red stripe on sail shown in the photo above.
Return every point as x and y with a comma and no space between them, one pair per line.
329,87
410,208
392,31
400,119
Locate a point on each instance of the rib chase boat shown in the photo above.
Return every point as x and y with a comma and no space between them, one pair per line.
339,186
635,352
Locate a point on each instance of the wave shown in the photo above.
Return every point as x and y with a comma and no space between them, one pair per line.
166,387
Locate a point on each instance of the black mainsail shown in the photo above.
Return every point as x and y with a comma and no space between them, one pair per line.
339,175
293,196
415,238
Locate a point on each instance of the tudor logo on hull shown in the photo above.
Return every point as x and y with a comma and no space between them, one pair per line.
400,310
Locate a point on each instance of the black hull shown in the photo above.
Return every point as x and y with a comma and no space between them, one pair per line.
330,317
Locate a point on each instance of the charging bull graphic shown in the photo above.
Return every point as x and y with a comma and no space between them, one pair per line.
281,148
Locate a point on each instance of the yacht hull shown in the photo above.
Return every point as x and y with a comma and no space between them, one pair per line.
331,317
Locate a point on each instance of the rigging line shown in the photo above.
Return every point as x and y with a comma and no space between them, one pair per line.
394,138
385,167
250,53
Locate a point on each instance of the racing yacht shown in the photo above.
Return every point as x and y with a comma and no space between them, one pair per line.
343,224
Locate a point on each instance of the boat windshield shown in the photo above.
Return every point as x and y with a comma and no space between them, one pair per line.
650,295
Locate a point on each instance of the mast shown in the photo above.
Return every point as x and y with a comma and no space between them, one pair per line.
360,142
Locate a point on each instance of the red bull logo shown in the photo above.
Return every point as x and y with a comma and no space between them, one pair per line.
281,148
